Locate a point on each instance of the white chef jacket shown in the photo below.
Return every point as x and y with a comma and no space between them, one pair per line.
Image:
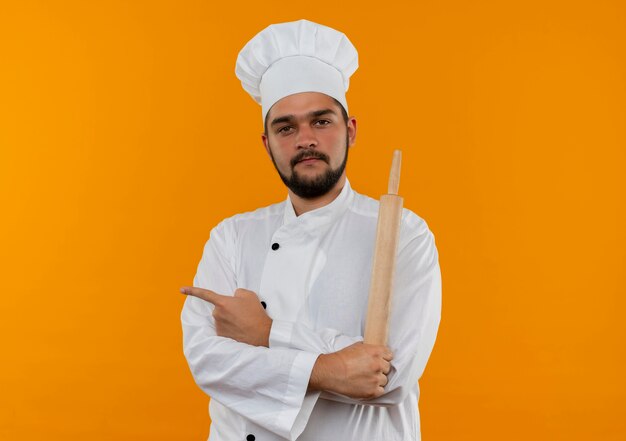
312,272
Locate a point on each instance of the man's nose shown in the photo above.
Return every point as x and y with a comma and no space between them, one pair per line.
306,137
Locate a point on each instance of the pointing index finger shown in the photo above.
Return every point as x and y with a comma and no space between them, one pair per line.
204,294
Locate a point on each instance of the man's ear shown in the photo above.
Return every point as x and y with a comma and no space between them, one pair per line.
266,144
351,131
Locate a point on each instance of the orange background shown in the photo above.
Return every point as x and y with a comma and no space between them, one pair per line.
125,136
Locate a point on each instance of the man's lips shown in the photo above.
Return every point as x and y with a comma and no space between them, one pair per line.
307,160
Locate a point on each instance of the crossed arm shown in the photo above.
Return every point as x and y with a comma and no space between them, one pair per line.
357,371
225,341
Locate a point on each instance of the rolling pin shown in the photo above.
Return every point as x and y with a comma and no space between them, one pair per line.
384,263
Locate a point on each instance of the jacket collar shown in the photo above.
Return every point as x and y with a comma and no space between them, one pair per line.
323,215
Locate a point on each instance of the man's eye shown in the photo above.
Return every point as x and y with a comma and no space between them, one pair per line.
285,129
322,122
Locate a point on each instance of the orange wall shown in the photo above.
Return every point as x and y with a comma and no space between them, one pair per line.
125,136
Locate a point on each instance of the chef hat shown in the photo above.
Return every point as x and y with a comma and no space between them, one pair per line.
294,57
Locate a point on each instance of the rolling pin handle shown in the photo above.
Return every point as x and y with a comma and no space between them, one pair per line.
394,175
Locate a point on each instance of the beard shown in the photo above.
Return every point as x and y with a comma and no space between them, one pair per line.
314,187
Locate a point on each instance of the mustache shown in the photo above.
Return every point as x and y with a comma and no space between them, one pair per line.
307,154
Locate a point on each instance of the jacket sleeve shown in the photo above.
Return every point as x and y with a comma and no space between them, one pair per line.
414,321
266,386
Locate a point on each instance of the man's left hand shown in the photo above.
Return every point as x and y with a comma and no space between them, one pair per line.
240,317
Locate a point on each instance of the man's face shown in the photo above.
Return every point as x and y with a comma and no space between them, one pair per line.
308,140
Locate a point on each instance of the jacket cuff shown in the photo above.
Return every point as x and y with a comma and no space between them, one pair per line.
298,404
281,334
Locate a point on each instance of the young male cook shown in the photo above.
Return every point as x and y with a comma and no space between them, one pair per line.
273,325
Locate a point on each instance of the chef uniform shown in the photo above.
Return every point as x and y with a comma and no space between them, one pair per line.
311,273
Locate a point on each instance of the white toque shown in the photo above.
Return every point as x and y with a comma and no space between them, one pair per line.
294,57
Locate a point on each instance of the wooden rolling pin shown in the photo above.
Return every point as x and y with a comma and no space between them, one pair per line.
384,264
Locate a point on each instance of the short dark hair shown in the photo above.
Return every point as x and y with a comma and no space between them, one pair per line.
344,114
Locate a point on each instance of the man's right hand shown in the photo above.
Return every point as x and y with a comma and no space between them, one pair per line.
357,371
